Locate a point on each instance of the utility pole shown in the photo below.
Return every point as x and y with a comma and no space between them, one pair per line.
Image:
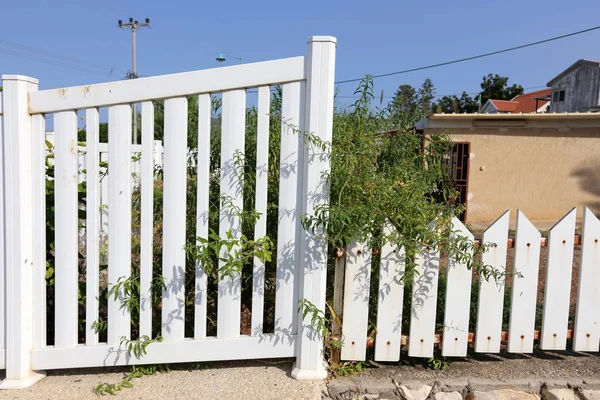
134,26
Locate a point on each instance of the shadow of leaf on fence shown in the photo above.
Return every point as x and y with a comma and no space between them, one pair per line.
425,284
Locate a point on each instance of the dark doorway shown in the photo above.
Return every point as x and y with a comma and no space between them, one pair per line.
458,168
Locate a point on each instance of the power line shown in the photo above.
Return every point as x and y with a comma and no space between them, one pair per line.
52,62
473,57
52,55
47,57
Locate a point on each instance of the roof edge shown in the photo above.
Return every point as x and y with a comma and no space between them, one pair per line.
571,68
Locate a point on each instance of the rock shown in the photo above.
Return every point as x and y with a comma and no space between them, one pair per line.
559,394
505,395
590,394
342,388
448,396
389,396
416,394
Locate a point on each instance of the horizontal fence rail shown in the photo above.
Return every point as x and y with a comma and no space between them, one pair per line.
215,80
451,306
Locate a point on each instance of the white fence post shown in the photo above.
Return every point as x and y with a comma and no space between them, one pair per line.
320,70
18,211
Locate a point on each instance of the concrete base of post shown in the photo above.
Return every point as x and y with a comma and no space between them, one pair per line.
35,377
308,374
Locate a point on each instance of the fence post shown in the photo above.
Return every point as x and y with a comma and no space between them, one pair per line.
314,161
18,229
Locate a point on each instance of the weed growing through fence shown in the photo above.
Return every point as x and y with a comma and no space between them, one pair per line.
136,372
383,172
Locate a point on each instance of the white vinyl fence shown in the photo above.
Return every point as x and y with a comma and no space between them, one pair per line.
353,287
308,88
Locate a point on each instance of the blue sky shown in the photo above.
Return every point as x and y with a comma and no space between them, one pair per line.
373,37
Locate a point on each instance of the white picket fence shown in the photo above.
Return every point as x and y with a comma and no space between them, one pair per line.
353,280
308,88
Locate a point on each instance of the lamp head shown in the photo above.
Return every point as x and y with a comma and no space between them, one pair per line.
221,58
120,23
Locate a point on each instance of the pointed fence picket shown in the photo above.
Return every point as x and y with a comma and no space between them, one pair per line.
558,283
491,288
356,302
390,301
458,297
424,302
587,318
524,289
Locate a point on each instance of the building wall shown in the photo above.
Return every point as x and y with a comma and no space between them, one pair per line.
488,108
544,172
581,89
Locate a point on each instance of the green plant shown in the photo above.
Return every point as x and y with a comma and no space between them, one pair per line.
137,348
349,368
135,372
438,361
231,253
99,326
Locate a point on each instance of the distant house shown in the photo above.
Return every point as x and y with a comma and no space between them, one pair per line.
577,88
541,163
534,102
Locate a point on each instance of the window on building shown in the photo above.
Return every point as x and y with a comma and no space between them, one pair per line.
558,96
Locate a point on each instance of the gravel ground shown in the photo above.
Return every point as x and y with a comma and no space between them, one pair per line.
540,365
223,380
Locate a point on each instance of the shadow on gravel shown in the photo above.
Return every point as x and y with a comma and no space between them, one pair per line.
282,364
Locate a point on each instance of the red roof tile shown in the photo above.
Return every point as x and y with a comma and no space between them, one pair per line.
525,103
505,105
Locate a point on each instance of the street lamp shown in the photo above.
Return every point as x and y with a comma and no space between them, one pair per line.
221,57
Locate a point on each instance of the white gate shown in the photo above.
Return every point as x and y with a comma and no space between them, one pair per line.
307,84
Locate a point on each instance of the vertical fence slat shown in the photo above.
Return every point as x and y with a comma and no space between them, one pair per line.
458,298
232,148
104,193
174,214
285,309
587,317
260,230
491,291
92,226
423,306
391,296
2,238
202,208
119,209
147,218
558,283
524,290
356,301
338,301
66,228
38,137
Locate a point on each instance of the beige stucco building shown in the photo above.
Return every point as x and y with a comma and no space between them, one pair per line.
542,164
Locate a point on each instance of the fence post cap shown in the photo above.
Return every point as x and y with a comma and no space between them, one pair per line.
313,39
20,78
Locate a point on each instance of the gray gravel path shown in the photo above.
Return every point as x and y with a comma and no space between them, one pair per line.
225,380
